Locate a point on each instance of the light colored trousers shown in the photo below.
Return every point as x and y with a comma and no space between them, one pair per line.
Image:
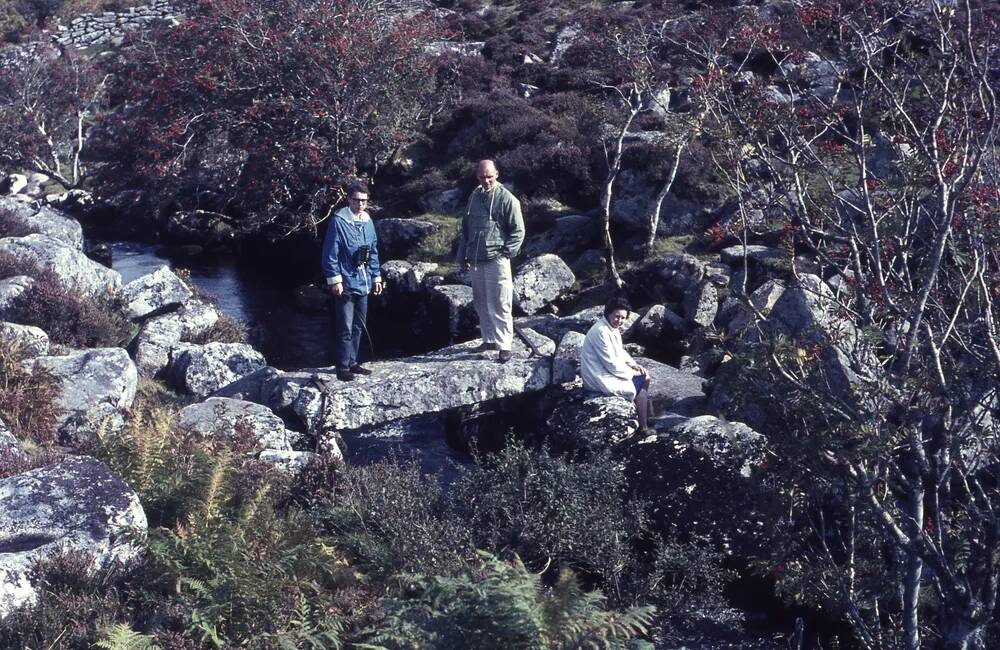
492,294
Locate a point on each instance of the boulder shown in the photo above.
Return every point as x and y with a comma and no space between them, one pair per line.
672,389
161,335
225,417
8,443
155,292
696,481
634,200
659,322
815,71
428,383
155,343
400,275
95,385
556,327
10,289
569,236
70,265
739,316
203,369
585,422
75,505
456,301
73,201
32,341
46,221
566,363
399,238
701,304
734,255
14,184
732,444
442,201
540,281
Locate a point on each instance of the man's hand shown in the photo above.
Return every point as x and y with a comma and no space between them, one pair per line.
378,288
336,289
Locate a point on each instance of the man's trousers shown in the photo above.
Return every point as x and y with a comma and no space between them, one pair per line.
492,295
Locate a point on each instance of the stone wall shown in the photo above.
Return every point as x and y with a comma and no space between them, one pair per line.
109,27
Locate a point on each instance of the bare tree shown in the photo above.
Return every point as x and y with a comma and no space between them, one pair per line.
878,161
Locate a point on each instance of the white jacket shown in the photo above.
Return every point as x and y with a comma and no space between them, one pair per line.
604,364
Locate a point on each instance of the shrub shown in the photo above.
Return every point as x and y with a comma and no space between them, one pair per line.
27,399
500,605
70,319
392,519
12,21
225,330
11,226
74,603
10,266
553,510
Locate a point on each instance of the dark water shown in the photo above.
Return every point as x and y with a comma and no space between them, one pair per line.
287,337
291,338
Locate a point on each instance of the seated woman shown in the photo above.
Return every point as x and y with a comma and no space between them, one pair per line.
605,365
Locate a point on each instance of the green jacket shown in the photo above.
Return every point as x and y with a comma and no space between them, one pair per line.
492,226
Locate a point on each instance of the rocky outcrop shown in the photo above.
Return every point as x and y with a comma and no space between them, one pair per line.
10,289
670,388
587,423
226,417
438,381
541,281
695,475
75,505
45,221
155,292
95,385
32,341
203,369
566,363
74,268
399,238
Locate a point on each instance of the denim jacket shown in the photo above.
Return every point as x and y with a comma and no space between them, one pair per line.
344,236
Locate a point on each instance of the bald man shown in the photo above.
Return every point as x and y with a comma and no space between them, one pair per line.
492,233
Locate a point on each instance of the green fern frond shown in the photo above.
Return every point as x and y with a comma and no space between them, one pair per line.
123,637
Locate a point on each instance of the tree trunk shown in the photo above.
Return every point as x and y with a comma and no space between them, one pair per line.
654,217
614,166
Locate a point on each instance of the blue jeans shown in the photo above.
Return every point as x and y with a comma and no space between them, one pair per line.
349,314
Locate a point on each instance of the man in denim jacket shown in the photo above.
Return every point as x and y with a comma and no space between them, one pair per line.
351,267
492,233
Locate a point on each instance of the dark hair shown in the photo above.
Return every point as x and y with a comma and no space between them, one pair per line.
358,187
618,302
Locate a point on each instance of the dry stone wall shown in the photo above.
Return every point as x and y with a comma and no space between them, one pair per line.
110,27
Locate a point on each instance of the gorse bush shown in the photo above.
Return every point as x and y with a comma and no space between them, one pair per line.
70,319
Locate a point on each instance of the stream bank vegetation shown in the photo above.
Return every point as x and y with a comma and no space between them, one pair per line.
239,555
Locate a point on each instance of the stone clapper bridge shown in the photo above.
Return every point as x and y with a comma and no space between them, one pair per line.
439,381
